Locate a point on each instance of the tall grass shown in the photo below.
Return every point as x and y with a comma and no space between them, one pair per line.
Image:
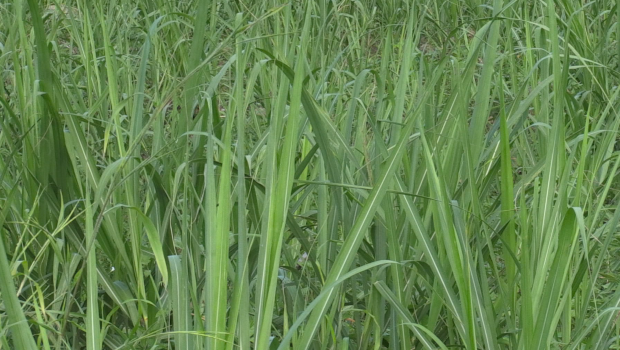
309,174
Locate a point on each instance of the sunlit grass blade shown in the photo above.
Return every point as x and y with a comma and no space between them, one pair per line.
179,302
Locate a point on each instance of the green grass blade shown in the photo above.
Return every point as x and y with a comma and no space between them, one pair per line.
22,336
93,330
180,302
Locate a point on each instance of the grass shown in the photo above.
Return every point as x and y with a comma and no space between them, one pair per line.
309,175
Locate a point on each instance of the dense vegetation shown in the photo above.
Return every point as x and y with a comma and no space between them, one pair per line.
329,174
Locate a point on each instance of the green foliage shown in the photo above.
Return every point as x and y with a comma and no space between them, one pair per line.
330,174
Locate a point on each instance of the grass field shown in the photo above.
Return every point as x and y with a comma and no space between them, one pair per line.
327,174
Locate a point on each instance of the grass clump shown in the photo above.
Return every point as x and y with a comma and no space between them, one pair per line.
309,175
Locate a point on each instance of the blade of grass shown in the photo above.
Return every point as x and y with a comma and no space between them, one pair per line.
22,336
